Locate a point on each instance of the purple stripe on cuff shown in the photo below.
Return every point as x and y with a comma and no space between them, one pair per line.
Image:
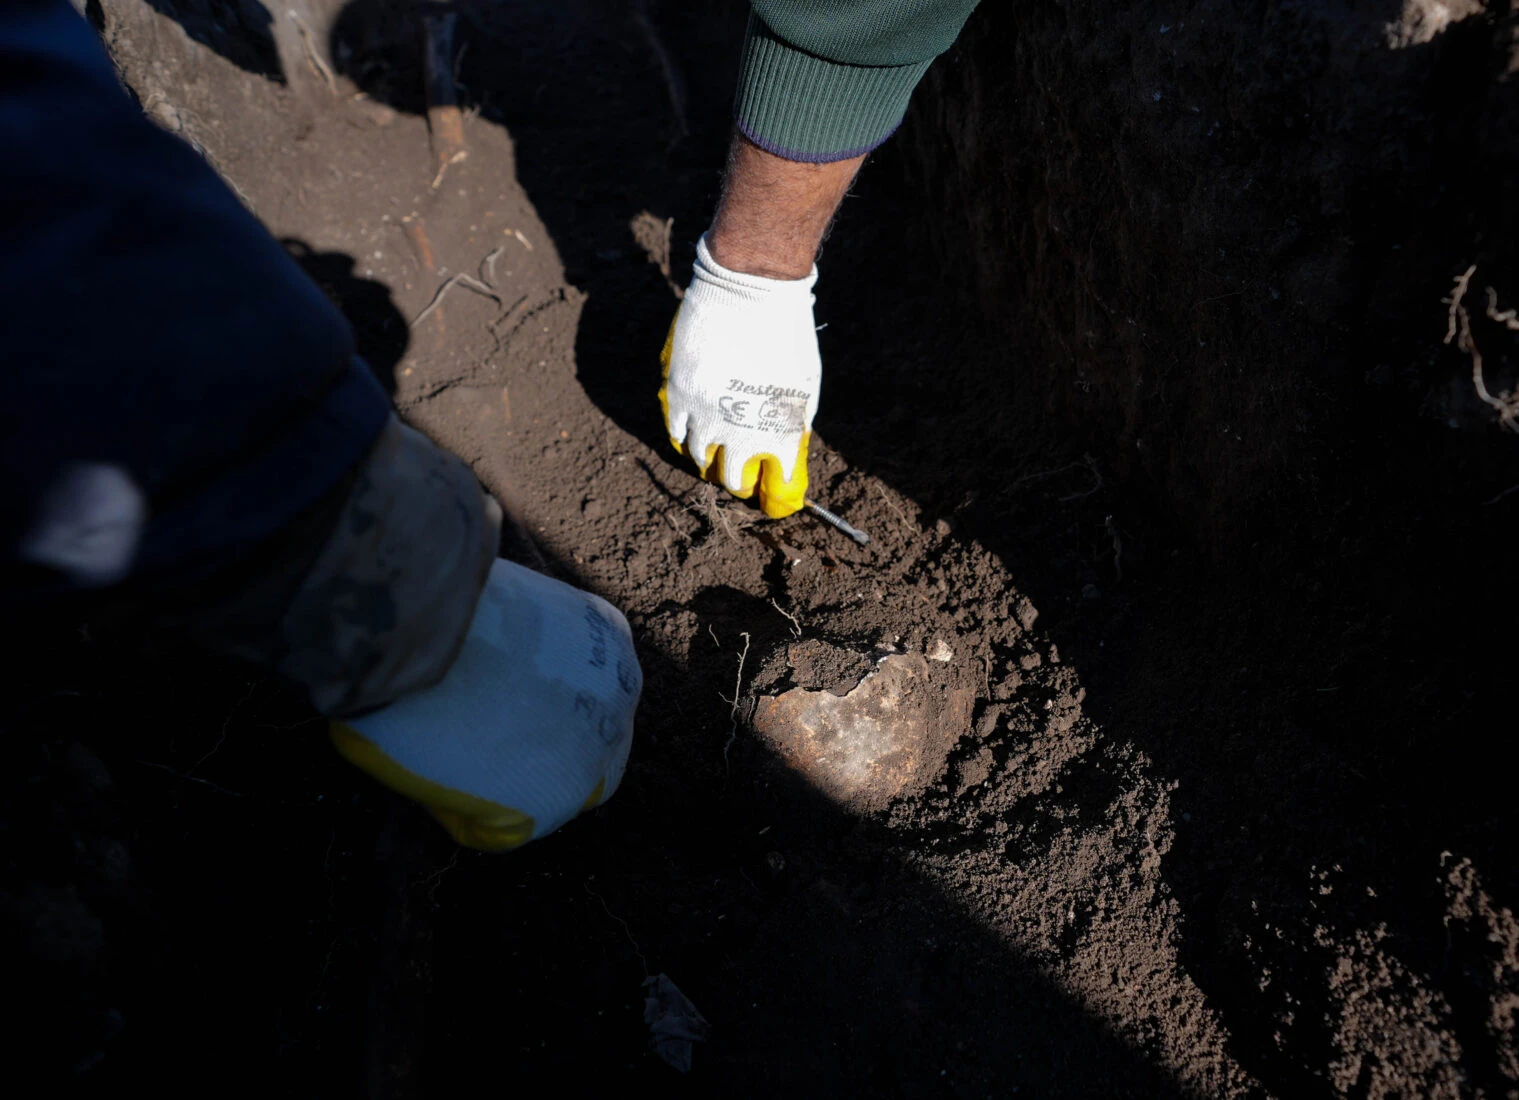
812,158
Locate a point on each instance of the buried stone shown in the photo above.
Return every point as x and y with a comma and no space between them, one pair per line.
887,737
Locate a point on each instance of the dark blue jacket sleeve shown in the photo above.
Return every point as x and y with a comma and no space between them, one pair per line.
147,320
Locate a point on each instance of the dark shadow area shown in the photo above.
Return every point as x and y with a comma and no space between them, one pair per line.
378,45
1288,618
1316,667
380,333
824,965
197,881
241,31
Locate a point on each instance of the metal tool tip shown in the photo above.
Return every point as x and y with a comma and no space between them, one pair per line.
828,517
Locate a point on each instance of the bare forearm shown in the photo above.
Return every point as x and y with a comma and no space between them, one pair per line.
774,212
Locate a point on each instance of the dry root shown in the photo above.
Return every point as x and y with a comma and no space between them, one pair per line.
738,687
1505,403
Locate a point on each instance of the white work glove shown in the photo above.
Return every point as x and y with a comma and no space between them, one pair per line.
530,726
741,374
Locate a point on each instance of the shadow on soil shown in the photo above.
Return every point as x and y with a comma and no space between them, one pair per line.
380,332
242,31
216,888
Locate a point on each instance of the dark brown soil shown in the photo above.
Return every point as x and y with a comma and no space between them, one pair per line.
1227,817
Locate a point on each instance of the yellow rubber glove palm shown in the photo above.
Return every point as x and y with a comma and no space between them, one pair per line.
741,376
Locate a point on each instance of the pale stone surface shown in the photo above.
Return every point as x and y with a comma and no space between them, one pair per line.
867,746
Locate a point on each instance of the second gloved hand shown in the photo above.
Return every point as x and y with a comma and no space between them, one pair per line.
530,726
741,374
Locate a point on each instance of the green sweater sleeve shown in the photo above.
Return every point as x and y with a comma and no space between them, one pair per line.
825,80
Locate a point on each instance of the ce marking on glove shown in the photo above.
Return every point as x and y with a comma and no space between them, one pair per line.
734,412
774,414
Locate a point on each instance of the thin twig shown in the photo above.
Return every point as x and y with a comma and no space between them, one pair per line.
679,532
1509,318
469,282
663,263
796,627
432,881
625,929
312,56
487,267
738,682
1454,301
237,706
190,778
1459,328
1048,473
893,506
1507,492
416,236
719,514
1091,464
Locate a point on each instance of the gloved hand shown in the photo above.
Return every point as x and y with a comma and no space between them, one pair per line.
741,374
530,726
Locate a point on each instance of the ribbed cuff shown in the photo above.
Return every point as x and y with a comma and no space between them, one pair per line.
802,107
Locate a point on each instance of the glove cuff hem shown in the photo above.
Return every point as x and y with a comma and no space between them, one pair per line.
708,270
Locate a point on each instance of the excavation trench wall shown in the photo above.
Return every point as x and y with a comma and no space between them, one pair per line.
1213,237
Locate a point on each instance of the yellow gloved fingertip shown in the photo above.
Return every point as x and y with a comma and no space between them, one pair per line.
484,835
664,408
779,498
665,355
749,477
472,821
712,470
596,796
713,466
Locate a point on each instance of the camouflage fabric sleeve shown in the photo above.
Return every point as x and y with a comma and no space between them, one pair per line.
371,599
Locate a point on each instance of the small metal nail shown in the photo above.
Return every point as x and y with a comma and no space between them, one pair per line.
828,517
